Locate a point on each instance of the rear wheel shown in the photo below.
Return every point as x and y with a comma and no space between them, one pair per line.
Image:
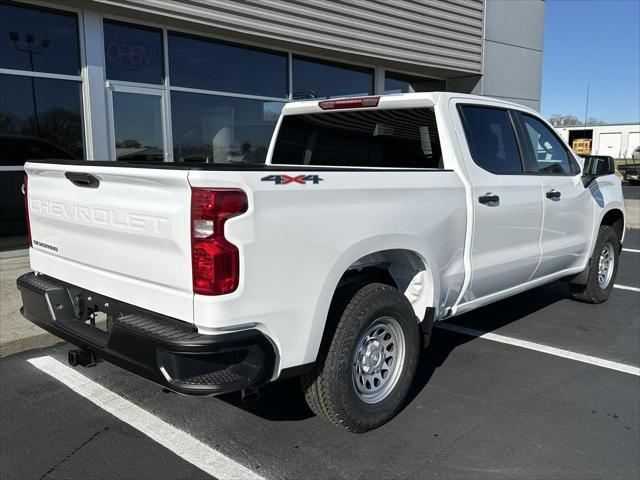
602,267
364,372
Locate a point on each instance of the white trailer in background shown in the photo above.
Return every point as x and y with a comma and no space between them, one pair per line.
617,141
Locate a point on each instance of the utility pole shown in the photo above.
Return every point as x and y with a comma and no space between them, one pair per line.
31,47
586,108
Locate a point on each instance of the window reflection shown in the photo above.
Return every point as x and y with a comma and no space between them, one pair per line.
402,138
314,79
214,129
39,119
550,155
138,127
45,111
39,40
213,65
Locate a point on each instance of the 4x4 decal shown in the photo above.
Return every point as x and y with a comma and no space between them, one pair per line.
287,179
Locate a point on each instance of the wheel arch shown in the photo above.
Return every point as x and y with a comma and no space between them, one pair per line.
397,263
614,218
404,269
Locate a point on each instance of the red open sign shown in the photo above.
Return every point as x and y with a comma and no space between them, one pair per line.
131,53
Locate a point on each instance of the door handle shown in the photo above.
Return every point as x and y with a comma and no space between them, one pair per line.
553,194
489,199
82,179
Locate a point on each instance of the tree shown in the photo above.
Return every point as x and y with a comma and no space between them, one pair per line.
9,123
559,120
595,121
58,125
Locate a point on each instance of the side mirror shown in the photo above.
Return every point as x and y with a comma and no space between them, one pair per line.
597,166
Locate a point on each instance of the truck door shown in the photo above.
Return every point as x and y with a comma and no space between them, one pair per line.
568,208
507,205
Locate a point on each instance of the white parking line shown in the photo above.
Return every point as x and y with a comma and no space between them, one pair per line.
579,357
632,250
624,287
182,444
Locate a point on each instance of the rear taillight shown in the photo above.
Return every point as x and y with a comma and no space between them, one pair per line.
215,262
341,103
26,208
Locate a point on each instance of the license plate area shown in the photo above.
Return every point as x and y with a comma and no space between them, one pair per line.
93,315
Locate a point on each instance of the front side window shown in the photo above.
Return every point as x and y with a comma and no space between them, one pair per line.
39,40
316,79
133,54
491,139
401,138
549,155
216,129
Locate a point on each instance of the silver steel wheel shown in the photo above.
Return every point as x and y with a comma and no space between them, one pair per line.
605,265
378,360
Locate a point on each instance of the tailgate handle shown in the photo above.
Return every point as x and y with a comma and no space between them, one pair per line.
82,179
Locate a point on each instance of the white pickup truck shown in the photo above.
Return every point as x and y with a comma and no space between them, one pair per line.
371,219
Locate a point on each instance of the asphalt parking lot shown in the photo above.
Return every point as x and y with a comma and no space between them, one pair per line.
479,408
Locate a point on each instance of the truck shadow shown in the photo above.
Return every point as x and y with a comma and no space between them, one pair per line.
279,401
284,400
485,319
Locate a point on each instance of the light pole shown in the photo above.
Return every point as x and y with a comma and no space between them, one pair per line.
31,46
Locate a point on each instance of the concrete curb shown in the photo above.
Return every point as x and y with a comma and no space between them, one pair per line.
633,213
29,343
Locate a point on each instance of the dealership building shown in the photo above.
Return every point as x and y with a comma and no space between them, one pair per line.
205,81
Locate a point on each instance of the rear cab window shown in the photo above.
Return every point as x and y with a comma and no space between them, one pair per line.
492,139
386,138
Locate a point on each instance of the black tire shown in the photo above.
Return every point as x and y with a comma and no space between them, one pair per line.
330,388
634,183
592,291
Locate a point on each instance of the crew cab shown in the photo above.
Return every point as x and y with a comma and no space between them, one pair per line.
371,219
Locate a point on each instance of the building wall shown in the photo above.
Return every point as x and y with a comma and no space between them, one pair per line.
446,35
513,46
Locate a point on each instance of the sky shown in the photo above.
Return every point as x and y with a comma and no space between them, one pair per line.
595,42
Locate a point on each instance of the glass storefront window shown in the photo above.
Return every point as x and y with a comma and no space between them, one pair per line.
313,79
138,127
40,118
39,40
44,112
213,65
133,54
402,83
215,129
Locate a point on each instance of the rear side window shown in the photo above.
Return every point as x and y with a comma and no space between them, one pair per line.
491,138
548,153
401,138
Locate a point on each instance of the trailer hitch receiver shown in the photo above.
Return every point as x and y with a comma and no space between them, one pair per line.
82,357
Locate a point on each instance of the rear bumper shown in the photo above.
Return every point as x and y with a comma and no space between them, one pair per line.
164,350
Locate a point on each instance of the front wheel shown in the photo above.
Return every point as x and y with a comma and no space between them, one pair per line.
602,266
364,373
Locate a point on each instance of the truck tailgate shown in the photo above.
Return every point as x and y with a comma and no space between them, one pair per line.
128,238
